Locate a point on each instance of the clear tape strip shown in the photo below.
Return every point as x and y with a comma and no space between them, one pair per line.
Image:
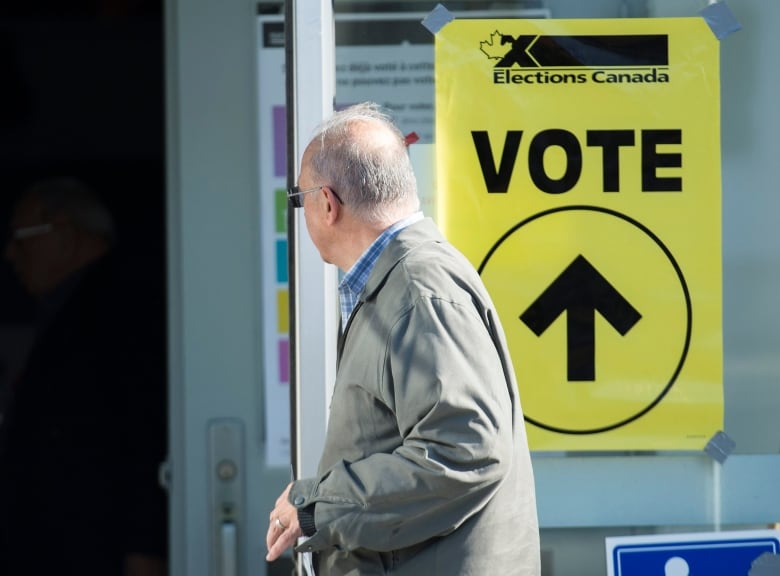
721,20
720,446
437,19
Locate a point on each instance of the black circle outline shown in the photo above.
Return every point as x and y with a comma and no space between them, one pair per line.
678,270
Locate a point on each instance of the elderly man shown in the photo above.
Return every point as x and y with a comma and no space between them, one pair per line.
426,469
84,428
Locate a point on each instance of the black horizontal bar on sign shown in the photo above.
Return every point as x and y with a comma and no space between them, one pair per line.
529,51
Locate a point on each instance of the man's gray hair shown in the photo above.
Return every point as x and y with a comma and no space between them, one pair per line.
364,157
74,199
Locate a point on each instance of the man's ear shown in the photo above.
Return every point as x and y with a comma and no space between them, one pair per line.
333,207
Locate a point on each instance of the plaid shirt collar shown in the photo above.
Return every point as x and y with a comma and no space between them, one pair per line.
354,281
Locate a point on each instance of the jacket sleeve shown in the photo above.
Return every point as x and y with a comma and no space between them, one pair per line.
444,381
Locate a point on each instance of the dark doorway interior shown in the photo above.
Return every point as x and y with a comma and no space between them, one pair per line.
82,96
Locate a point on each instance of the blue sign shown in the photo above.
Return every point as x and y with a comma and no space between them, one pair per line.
720,554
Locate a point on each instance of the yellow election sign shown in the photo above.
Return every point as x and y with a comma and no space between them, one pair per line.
578,168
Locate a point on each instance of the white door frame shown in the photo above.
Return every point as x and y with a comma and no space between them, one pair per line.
214,297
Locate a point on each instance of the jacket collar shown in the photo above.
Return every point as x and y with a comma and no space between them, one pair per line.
410,238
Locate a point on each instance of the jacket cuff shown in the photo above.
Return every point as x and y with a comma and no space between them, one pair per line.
306,520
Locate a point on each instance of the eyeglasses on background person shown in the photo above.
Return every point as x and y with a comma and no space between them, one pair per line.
26,232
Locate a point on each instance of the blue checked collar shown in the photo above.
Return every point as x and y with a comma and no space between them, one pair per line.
354,281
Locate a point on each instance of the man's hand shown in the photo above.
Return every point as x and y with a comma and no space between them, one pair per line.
283,528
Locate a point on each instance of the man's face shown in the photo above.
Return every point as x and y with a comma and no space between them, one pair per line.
313,206
33,248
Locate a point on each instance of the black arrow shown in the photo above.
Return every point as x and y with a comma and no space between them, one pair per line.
579,291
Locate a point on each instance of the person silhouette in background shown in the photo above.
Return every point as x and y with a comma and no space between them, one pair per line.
83,432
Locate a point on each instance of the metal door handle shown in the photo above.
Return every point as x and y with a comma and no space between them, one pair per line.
229,545
226,458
